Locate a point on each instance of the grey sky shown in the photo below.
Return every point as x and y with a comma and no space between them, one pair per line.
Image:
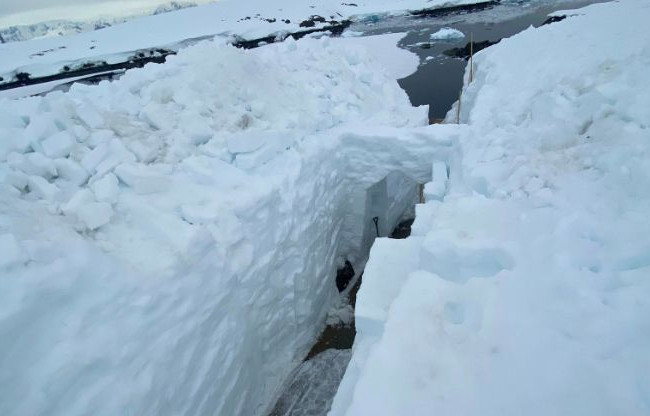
15,6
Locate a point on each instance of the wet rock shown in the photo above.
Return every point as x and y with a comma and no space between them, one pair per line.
344,276
403,229
554,19
311,22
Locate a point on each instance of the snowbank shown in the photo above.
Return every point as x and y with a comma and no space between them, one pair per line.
169,241
524,289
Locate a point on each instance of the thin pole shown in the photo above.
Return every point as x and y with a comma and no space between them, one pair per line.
471,57
460,95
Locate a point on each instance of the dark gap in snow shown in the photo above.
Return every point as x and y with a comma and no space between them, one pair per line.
344,275
315,382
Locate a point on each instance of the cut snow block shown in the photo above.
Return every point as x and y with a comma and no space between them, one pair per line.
107,189
11,254
437,188
32,164
71,171
89,115
95,214
439,172
95,157
58,145
246,142
82,197
434,191
42,188
140,179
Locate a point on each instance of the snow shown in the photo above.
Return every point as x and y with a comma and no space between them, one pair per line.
149,270
523,288
12,253
224,19
447,33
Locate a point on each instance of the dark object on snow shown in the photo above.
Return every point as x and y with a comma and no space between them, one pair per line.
344,276
554,19
311,22
403,229
466,50
376,221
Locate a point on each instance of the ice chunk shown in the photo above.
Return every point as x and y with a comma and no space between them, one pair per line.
11,253
95,214
42,188
95,157
89,115
33,164
246,142
39,128
447,33
107,188
141,179
71,171
58,145
83,196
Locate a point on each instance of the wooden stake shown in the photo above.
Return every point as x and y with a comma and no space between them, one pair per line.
471,57
460,95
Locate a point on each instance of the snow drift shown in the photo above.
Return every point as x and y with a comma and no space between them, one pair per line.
524,288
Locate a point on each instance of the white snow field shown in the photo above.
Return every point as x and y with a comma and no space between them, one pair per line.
525,287
226,18
169,241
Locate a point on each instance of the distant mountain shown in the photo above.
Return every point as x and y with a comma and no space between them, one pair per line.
67,27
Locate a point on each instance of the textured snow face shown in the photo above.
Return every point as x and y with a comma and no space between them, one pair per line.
169,241
524,288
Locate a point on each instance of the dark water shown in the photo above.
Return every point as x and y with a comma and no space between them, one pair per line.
439,78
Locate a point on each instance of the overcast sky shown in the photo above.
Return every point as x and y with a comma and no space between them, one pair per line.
19,12
16,6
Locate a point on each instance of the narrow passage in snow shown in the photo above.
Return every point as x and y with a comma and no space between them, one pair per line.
313,384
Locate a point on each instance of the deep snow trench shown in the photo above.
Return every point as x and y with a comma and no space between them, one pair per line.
171,238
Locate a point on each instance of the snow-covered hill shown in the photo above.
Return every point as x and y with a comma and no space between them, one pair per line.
51,28
228,19
525,286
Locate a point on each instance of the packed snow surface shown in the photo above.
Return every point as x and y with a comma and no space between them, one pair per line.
169,241
226,18
525,287
447,33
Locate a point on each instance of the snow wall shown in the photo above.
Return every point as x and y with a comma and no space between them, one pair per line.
524,287
169,241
